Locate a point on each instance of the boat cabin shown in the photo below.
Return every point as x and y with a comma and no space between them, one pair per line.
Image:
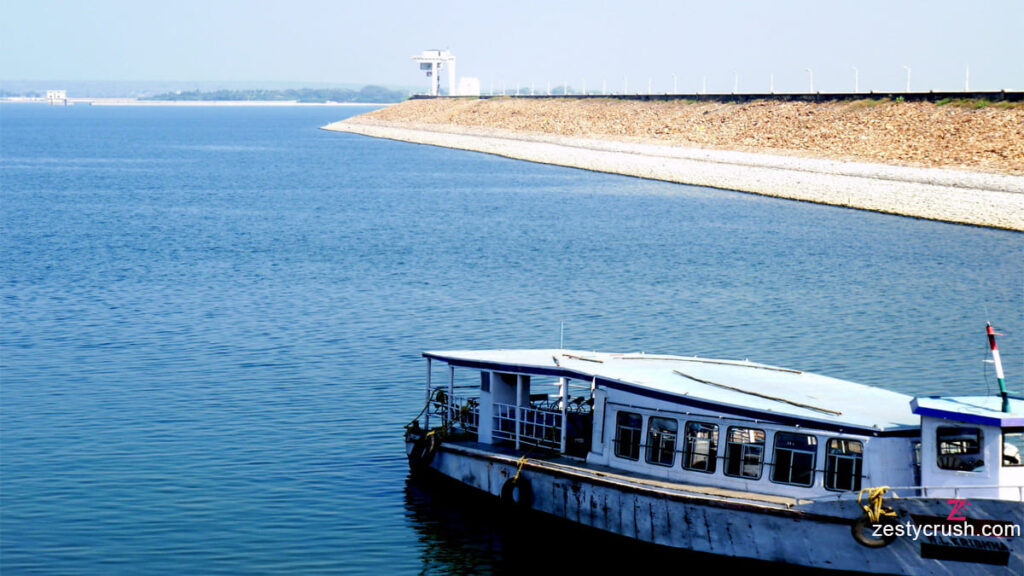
970,448
736,425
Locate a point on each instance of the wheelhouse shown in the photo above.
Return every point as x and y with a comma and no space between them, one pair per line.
970,447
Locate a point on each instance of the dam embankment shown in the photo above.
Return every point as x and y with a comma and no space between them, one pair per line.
959,162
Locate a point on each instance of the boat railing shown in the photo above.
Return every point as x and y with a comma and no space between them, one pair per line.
536,427
576,405
922,491
461,412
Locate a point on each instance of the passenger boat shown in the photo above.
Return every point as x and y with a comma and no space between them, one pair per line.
734,458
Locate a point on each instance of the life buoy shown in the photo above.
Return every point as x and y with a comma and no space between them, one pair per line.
423,451
875,516
863,531
516,491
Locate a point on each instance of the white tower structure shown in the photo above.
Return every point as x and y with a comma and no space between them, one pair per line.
57,97
432,61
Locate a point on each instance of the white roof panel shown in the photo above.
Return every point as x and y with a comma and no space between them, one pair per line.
741,387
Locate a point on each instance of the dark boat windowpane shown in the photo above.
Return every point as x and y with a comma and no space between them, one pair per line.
794,458
843,464
661,440
700,450
627,435
1013,447
959,448
744,452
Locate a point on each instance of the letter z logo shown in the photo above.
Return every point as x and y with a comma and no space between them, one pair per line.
958,508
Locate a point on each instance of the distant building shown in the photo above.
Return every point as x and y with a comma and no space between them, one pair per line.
469,86
57,97
431,62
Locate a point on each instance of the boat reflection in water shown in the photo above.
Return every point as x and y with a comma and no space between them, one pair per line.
464,531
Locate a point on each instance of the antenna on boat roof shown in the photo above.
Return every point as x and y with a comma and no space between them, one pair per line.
561,337
999,365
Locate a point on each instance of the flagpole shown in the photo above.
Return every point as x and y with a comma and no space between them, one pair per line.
999,366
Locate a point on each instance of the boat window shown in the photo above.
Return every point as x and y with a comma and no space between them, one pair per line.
959,448
700,447
794,458
661,440
627,435
844,461
1013,447
744,452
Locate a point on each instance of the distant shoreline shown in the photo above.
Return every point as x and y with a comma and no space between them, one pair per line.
138,102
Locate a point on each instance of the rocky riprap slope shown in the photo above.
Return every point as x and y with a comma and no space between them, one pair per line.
971,135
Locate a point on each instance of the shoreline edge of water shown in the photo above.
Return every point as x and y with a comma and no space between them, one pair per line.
955,196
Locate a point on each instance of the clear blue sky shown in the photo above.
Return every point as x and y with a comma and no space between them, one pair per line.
522,42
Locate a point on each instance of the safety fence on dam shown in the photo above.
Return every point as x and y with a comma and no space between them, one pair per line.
931,96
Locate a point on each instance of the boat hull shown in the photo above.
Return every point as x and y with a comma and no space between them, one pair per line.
815,534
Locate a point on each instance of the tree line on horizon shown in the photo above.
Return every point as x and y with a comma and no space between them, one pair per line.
367,94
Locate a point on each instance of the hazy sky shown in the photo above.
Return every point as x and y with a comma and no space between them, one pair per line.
524,42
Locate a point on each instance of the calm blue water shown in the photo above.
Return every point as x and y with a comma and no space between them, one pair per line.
212,321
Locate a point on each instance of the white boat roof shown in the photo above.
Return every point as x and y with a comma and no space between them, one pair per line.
974,409
743,388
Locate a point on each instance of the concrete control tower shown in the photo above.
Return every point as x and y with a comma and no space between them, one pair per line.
432,61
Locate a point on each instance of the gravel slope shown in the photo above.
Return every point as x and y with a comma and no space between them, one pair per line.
988,139
992,199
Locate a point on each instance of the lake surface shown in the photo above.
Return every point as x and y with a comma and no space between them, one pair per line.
212,320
